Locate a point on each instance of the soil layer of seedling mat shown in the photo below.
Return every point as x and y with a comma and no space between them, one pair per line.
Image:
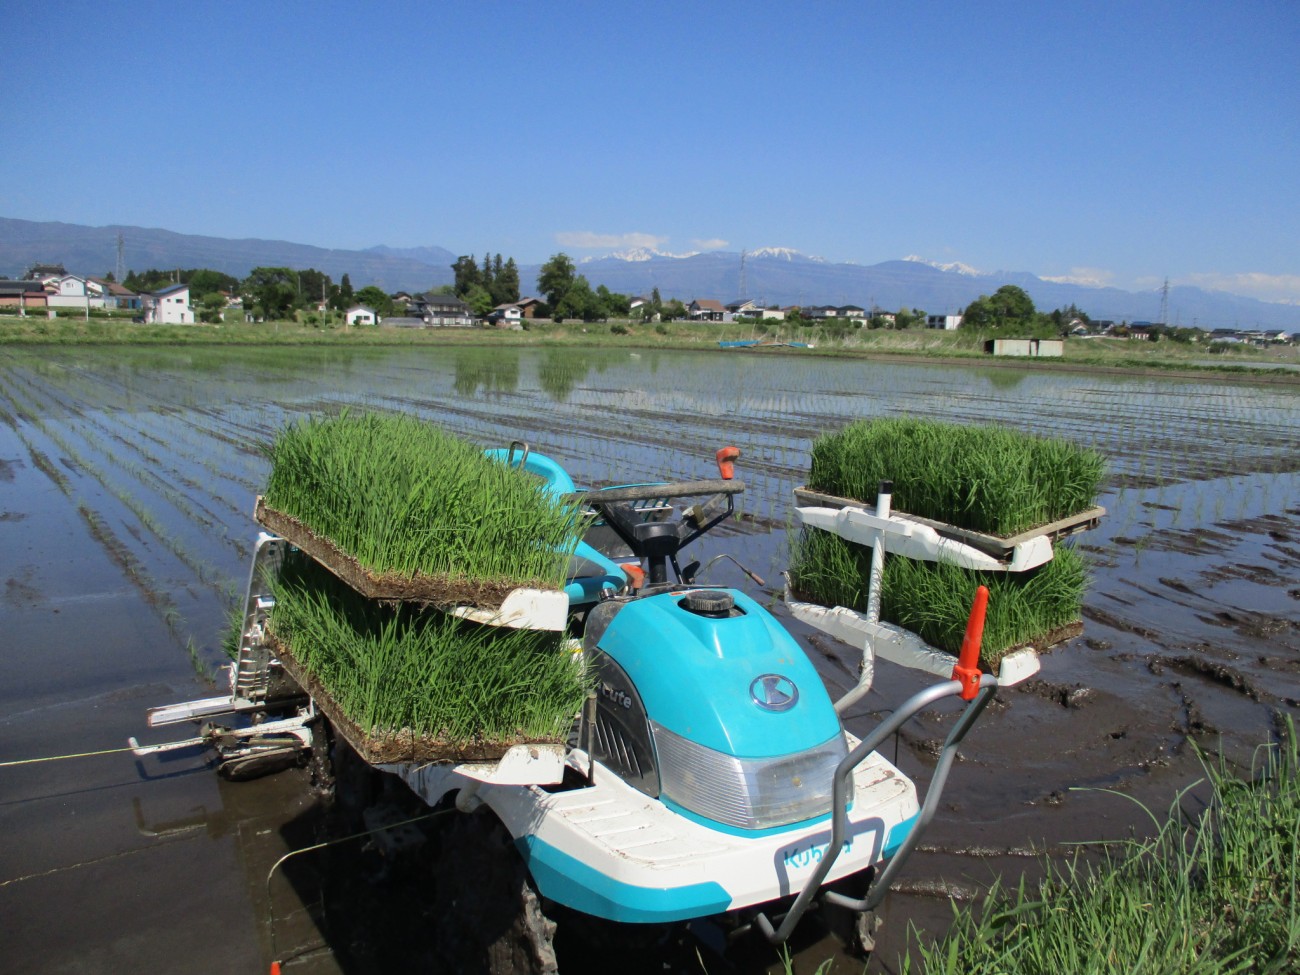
998,546
443,590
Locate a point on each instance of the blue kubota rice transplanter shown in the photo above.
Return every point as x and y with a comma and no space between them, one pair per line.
711,775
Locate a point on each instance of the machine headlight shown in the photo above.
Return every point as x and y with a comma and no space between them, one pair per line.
748,793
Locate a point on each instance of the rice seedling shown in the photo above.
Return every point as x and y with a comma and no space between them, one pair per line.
933,599
421,679
406,499
1213,896
985,478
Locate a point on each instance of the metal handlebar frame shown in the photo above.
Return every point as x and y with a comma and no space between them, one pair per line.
839,803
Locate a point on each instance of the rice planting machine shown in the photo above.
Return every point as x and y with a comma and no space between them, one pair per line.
710,775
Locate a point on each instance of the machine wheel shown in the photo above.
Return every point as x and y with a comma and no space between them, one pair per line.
243,768
490,913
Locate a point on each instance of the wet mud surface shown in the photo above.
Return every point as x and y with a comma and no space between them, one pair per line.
126,491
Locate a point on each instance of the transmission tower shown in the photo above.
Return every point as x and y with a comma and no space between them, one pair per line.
1164,303
121,258
742,296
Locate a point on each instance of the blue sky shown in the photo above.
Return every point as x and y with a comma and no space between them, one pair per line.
1116,143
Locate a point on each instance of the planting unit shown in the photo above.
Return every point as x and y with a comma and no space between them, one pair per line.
708,774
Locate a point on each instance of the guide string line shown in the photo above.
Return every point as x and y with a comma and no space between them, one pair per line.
276,963
59,758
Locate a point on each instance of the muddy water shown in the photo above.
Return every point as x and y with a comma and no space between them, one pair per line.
126,485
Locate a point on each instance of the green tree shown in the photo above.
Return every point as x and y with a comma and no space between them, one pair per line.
1009,309
467,274
505,283
313,286
271,290
909,318
210,307
674,310
479,300
374,297
555,280
204,281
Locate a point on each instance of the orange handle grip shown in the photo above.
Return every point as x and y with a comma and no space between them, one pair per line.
967,670
726,457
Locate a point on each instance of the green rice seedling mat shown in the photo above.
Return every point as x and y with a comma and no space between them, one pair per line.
402,509
992,480
1040,608
386,747
404,684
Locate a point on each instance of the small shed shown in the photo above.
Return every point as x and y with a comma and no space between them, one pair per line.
1025,347
361,315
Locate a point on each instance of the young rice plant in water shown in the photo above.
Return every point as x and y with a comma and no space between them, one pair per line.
984,478
403,496
435,675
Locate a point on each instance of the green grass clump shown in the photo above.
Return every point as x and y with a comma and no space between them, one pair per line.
933,599
423,672
402,496
984,478
1209,897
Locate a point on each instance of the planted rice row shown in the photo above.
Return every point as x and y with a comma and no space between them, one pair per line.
988,479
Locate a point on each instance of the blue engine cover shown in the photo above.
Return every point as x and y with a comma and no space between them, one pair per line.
697,676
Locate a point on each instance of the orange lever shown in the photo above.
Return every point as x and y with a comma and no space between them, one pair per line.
726,457
967,669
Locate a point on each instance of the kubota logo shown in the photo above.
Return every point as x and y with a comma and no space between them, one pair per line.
772,692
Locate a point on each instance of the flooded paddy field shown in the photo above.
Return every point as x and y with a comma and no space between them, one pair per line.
127,479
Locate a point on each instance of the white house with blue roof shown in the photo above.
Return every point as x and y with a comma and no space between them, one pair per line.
170,306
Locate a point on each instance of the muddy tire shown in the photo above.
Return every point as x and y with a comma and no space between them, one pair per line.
489,914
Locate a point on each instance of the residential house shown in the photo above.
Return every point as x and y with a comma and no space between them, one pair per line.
113,294
43,272
819,312
440,311
361,315
851,312
706,310
949,323
528,306
22,295
742,306
883,319
72,291
508,313
170,306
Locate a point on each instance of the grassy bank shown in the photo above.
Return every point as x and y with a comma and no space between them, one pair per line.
1206,896
1117,354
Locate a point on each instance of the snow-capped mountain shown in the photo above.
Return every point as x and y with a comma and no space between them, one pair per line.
956,267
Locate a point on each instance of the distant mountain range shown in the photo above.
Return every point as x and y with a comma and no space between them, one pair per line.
776,276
